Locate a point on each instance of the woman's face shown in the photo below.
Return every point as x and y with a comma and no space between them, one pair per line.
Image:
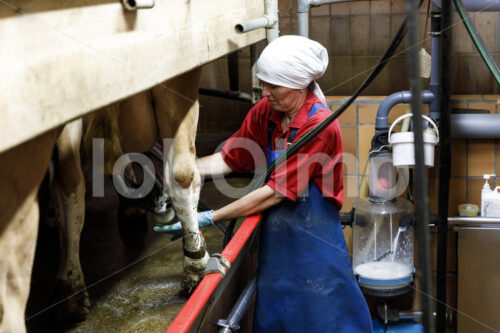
282,98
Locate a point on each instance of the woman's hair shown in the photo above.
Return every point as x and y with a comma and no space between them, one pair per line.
310,87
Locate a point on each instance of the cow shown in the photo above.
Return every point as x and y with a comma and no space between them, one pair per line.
168,110
22,170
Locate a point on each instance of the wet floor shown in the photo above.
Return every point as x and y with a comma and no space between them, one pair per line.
133,274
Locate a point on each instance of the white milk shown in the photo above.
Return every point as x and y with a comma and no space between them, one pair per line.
394,245
383,270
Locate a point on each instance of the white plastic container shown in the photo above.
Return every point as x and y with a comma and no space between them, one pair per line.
403,147
490,199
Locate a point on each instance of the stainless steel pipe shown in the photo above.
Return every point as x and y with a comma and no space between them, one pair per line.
268,21
475,126
477,5
138,4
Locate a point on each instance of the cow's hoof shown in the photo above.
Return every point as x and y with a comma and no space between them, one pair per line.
194,269
190,281
72,306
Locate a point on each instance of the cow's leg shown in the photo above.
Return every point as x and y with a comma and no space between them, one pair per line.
68,193
137,123
176,107
138,132
21,172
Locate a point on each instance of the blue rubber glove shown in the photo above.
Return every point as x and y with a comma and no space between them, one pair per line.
205,219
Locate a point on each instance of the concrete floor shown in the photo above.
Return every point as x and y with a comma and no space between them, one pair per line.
132,273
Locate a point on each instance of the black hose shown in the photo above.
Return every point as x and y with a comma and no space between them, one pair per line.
235,95
422,199
444,166
409,190
478,41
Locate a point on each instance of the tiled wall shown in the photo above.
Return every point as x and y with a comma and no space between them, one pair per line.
357,33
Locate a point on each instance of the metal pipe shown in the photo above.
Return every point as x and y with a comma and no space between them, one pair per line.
417,314
475,126
435,83
268,21
272,31
256,87
236,95
411,314
444,165
303,24
303,7
317,3
470,221
231,324
422,198
477,5
261,22
138,4
401,97
474,221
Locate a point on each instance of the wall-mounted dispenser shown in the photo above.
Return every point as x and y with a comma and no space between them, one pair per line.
490,199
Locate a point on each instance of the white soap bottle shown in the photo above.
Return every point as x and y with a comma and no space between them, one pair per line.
490,199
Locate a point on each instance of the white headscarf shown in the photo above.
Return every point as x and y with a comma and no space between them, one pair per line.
293,62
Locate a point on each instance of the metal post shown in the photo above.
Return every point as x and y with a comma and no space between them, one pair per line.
435,83
256,88
422,199
234,73
231,324
303,7
272,32
444,166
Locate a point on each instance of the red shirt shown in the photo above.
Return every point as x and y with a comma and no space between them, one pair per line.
320,160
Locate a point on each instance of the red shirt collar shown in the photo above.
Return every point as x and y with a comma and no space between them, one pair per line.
300,117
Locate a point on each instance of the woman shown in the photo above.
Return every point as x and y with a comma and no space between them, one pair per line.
305,279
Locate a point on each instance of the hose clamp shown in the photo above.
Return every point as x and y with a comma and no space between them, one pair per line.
217,264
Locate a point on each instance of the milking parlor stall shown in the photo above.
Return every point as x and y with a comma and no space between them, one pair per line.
62,61
107,106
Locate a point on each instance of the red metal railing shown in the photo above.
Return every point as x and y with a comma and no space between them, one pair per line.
188,314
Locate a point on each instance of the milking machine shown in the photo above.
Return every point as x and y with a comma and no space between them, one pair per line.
383,224
382,233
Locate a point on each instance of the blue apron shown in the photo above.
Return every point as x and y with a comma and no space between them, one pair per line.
305,278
